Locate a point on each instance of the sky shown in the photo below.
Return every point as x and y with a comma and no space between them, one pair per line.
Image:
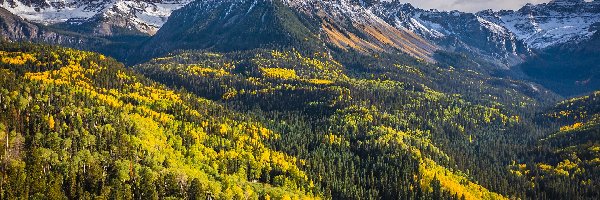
472,5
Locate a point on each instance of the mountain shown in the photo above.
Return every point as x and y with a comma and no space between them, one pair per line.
491,39
367,26
229,25
457,31
500,38
569,69
97,17
549,24
566,39
554,43
16,29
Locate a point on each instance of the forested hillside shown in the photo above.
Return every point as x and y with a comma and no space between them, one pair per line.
567,162
375,126
79,125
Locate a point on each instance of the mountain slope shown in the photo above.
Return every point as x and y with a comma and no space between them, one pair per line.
491,40
502,38
568,69
99,130
230,25
351,23
14,28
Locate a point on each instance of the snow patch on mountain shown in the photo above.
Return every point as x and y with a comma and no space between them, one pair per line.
424,27
492,26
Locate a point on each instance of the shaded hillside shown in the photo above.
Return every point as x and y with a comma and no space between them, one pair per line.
568,69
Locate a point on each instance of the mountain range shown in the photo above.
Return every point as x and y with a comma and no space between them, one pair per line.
501,42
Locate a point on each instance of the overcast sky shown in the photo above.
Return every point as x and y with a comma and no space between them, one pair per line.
472,5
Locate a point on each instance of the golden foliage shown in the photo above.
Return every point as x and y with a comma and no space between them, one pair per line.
16,58
564,168
571,127
205,71
51,122
145,106
320,82
335,140
453,183
279,73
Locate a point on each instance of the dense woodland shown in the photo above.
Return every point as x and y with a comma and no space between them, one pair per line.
284,124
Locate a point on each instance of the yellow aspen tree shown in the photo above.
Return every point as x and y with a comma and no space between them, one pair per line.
51,122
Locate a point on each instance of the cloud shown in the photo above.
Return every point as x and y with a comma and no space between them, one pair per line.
472,5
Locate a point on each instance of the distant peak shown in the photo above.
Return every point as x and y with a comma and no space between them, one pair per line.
567,1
